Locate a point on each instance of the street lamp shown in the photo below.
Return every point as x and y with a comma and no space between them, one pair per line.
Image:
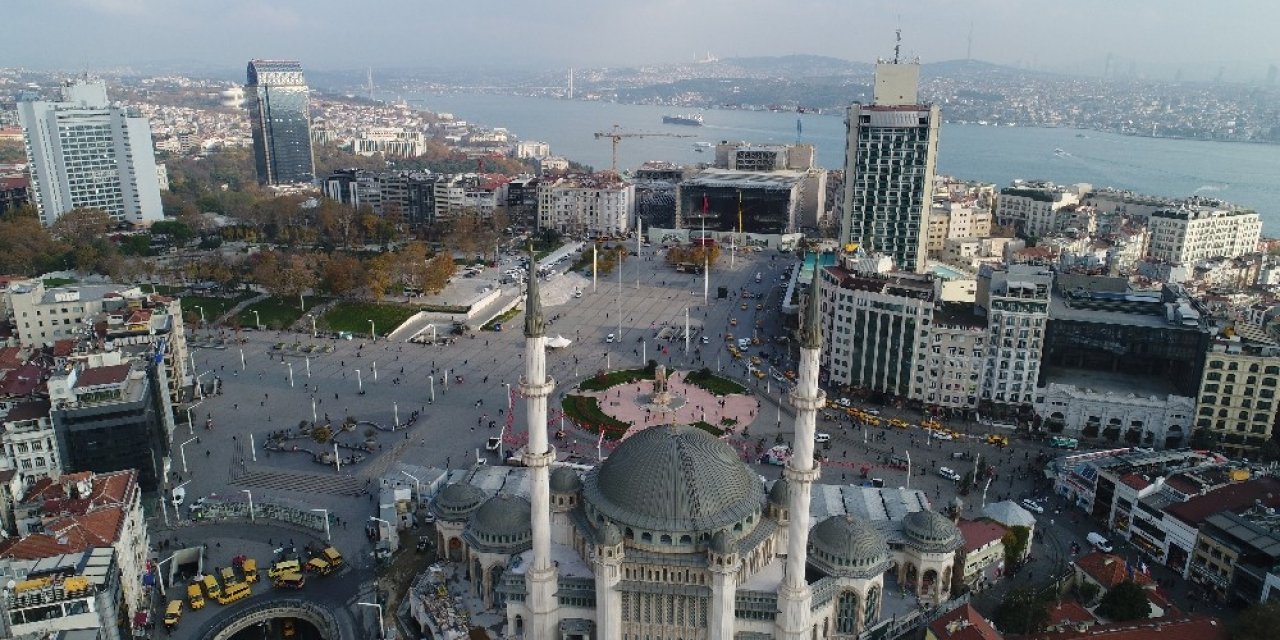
326,523
190,425
182,451
257,320
314,334
373,334
201,310
382,628
250,494
290,364
431,381
359,381
508,386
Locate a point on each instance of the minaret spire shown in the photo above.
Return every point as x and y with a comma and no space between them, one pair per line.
794,596
540,581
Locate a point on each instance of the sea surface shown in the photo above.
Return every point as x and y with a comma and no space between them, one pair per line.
1246,174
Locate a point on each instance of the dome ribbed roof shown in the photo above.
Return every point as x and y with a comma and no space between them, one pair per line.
674,479
608,534
457,501
565,480
931,531
502,516
780,493
846,546
722,543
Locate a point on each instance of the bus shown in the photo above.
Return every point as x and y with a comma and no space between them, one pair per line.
1059,442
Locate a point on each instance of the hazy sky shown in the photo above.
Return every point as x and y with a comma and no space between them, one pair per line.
1157,36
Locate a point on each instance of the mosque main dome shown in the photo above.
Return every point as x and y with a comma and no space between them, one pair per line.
676,485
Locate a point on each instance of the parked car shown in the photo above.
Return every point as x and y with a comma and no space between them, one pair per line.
949,474
821,437
1099,541
1032,506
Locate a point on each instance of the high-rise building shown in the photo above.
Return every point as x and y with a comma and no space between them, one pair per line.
87,153
279,114
890,154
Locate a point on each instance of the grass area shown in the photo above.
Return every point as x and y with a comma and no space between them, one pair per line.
355,317
50,283
709,428
213,307
586,413
276,313
603,380
716,385
501,319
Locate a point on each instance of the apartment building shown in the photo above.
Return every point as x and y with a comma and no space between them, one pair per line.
586,205
80,511
85,152
1237,400
876,327
1199,229
1015,301
1236,553
949,220
29,445
1033,208
949,373
70,595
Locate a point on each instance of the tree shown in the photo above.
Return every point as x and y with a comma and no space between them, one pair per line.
439,270
1258,622
377,275
341,275
1015,545
1125,601
1022,611
322,433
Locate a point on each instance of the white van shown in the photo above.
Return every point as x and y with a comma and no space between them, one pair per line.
949,474
1098,541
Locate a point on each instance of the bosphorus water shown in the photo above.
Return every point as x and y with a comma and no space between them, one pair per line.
1246,174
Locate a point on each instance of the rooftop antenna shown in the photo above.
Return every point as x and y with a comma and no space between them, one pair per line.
968,52
897,44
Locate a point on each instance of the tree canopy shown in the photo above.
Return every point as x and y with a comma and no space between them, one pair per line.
1258,622
1125,601
1023,610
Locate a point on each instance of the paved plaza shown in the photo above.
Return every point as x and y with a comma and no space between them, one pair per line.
460,389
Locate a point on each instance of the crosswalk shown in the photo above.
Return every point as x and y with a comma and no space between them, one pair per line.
304,482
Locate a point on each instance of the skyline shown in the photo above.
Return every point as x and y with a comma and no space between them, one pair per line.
401,34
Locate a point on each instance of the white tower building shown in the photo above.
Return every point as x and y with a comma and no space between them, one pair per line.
87,153
536,387
794,595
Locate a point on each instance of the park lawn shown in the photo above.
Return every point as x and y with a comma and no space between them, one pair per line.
602,381
52,283
355,317
713,383
276,313
586,413
213,307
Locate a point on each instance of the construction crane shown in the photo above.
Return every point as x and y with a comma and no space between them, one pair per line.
615,135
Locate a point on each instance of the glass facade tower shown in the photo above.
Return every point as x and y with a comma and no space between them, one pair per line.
279,114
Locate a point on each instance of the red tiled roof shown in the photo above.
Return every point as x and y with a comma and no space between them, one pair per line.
1069,612
72,534
1182,483
965,623
63,348
10,357
1190,628
114,374
1109,570
1233,497
1135,481
22,381
28,411
980,533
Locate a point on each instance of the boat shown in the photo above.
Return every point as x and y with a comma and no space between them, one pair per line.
701,146
690,119
1060,153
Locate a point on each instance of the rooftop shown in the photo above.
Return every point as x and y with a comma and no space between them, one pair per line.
98,376
1189,628
1110,570
894,283
726,178
980,533
964,623
1233,497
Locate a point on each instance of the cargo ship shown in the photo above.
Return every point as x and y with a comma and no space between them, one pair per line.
692,119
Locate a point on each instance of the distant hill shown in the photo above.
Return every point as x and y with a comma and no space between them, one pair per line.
799,65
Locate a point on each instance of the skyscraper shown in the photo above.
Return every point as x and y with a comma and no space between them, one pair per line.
279,114
890,153
86,152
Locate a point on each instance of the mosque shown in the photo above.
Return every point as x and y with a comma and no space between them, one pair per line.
673,537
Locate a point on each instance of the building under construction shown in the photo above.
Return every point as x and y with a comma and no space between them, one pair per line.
760,208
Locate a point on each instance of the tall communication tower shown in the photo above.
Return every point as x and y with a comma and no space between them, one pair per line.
369,82
570,92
